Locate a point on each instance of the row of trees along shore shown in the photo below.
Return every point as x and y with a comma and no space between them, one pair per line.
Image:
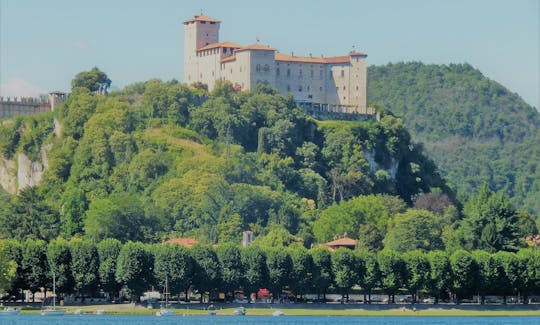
84,268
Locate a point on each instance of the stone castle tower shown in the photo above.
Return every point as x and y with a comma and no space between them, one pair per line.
336,84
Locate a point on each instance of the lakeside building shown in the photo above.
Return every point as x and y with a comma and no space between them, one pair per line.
335,84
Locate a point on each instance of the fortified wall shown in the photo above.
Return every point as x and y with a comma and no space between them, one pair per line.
29,105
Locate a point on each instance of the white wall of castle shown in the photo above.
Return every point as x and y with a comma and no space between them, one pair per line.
342,86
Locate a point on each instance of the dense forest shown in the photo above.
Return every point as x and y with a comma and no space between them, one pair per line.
160,160
476,130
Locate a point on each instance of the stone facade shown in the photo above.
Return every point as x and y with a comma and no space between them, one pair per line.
336,84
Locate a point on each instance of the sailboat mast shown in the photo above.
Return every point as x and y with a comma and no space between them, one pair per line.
54,290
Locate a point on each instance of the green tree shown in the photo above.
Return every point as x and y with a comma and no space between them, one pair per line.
418,272
8,269
279,266
29,216
173,263
94,80
414,229
232,269
465,274
84,266
134,268
322,274
108,251
206,274
393,272
119,216
347,271
372,274
530,277
301,275
34,265
490,223
510,277
255,269
59,260
441,273
12,251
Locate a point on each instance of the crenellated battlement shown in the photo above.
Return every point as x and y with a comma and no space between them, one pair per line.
11,106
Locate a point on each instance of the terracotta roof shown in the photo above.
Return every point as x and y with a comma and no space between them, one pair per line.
220,45
182,241
288,58
346,241
228,58
202,18
334,59
338,59
256,47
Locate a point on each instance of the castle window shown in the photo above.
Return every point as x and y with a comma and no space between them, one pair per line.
320,74
310,96
203,22
288,72
201,75
288,88
258,68
277,72
307,88
320,88
311,73
240,69
212,23
212,73
344,88
231,71
356,87
342,73
300,88
300,73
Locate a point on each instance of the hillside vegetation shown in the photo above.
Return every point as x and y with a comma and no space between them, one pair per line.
160,159
476,130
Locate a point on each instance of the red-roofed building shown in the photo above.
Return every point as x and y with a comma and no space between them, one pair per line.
188,242
337,83
341,242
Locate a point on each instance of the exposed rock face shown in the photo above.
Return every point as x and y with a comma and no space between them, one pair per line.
8,180
374,166
20,172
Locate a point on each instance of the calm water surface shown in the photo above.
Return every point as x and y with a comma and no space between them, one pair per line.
302,320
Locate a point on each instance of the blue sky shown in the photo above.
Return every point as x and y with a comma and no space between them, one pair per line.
44,43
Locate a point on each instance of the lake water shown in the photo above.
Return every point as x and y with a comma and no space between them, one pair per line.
302,320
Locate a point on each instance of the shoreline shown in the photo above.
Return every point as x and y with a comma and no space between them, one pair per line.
404,310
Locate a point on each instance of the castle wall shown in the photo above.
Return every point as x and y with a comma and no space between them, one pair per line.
15,106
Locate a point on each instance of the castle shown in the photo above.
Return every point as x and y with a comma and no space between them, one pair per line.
335,84
28,105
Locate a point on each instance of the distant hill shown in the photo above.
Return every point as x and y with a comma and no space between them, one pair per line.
476,130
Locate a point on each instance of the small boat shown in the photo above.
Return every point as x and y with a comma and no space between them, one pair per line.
240,312
100,312
163,311
9,311
278,313
78,312
51,310
212,310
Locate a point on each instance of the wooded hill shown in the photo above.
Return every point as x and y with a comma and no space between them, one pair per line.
161,159
476,130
